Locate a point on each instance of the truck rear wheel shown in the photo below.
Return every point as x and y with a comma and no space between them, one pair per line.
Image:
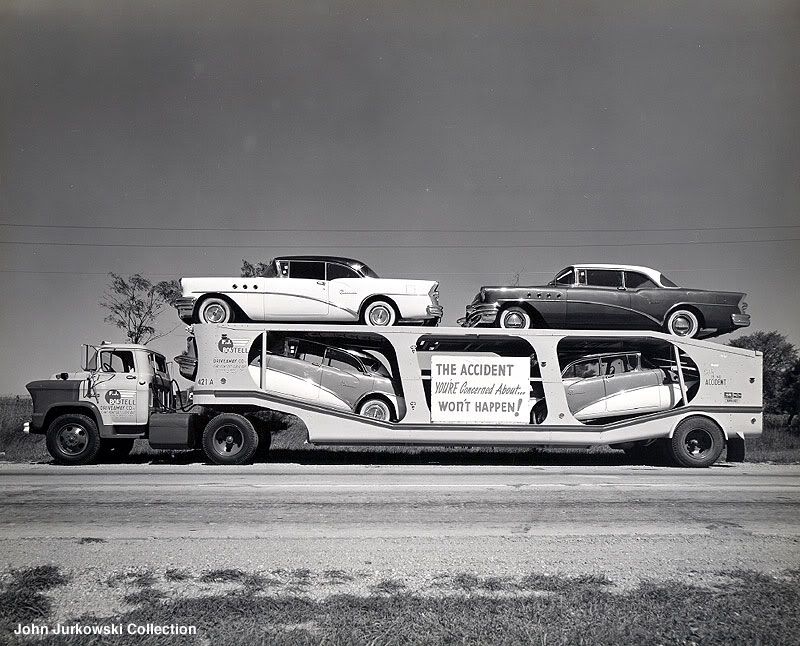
697,442
73,439
230,439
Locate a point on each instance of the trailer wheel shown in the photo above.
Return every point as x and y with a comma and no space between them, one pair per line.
73,439
697,442
230,439
112,450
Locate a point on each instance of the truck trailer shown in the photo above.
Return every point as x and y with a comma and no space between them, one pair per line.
643,392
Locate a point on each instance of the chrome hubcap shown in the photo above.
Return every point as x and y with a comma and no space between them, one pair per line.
214,313
682,325
73,439
376,410
514,320
228,440
379,315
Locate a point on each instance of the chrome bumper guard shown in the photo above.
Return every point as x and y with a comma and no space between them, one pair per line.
482,314
185,306
740,320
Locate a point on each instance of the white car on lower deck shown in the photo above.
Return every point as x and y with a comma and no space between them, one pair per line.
326,289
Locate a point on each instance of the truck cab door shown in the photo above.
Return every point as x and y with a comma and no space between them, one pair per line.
119,395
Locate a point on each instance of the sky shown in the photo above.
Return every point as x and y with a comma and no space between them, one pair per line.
459,141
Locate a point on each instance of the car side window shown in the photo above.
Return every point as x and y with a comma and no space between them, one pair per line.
604,277
116,361
310,352
614,366
335,270
633,362
341,361
587,369
307,269
566,277
635,280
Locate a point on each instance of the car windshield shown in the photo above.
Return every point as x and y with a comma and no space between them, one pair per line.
666,282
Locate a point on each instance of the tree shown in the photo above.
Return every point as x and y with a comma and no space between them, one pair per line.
250,270
134,303
515,277
780,358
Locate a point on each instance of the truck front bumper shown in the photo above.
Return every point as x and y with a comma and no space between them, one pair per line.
185,307
480,314
740,320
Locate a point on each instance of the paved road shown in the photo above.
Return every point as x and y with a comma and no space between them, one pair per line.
627,522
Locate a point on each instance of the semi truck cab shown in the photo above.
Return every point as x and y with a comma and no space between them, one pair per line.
105,406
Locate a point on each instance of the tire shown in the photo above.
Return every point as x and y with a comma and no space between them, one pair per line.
683,323
214,310
112,450
376,408
697,442
379,314
230,439
73,439
515,318
539,413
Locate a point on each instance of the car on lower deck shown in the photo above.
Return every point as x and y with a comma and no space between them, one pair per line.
603,386
602,296
325,289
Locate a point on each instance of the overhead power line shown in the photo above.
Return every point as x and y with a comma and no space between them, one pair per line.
194,245
102,227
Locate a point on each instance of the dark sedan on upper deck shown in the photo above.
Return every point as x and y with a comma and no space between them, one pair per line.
601,296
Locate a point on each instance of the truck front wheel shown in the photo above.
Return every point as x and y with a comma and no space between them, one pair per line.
73,439
230,439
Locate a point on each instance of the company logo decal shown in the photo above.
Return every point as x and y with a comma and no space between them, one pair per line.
113,396
226,345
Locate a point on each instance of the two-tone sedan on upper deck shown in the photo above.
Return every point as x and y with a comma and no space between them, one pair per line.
325,289
602,296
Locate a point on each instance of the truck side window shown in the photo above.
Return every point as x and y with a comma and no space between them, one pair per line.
116,361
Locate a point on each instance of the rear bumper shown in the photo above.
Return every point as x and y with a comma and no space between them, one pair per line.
185,307
740,320
434,311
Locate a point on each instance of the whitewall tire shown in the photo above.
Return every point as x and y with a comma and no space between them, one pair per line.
683,323
215,310
515,318
380,314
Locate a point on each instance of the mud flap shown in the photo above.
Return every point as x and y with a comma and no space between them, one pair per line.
735,450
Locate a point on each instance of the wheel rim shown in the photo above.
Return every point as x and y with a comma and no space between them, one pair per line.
376,410
380,315
683,325
214,313
73,439
515,320
698,443
228,440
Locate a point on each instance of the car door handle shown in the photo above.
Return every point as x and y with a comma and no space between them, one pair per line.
130,376
320,282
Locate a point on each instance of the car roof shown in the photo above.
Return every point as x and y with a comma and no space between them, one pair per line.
339,259
652,274
600,355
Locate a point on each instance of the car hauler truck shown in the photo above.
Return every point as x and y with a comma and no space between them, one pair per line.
635,391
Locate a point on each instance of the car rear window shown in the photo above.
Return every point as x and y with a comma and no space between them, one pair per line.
635,280
335,270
